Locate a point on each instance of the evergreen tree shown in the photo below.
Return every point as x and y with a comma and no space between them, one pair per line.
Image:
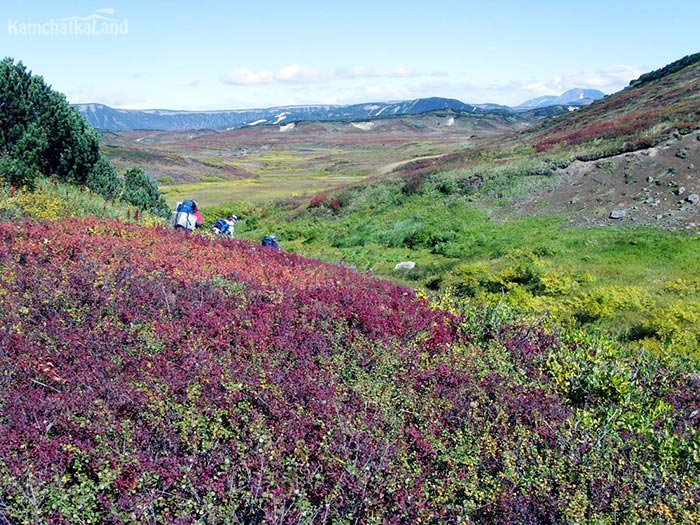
73,146
40,132
103,179
142,191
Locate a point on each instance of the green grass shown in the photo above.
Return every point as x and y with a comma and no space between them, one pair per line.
618,280
268,187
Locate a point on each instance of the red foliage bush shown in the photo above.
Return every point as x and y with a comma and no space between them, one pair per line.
336,205
154,377
195,368
318,199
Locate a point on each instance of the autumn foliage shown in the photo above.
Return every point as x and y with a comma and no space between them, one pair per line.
153,376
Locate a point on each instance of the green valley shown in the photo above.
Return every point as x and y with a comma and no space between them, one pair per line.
474,318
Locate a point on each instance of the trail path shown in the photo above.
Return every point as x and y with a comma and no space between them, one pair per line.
388,168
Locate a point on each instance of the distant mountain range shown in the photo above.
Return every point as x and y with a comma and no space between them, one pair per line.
104,117
573,97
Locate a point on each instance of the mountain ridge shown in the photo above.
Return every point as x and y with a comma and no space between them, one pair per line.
576,96
104,117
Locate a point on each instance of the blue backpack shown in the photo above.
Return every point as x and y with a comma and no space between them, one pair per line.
221,225
186,206
269,240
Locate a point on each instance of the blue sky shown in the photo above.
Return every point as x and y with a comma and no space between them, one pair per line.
237,55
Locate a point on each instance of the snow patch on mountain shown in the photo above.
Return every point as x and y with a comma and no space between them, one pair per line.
280,117
364,126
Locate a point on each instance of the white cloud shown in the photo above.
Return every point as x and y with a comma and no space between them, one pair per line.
386,72
608,80
363,83
115,99
245,76
297,73
616,75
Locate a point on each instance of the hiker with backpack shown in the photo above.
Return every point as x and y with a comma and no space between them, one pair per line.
186,215
271,241
224,226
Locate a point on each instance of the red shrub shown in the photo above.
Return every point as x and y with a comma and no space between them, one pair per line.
318,199
335,204
148,376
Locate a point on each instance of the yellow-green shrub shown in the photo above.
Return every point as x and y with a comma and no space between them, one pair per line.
605,301
52,200
677,323
39,204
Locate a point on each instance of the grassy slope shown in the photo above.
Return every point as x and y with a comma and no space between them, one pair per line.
637,281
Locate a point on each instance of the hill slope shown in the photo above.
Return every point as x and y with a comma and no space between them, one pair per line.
635,151
152,376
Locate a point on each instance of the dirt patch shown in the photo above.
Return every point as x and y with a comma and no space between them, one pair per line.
656,186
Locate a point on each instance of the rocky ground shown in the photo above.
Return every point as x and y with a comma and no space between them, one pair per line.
656,186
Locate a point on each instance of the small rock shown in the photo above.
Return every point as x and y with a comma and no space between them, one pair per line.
617,214
680,190
693,198
407,265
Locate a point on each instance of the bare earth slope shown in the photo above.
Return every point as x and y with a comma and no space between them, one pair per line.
659,185
644,142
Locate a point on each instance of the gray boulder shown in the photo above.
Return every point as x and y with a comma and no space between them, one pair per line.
617,214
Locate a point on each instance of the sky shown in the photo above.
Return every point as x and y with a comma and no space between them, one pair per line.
265,53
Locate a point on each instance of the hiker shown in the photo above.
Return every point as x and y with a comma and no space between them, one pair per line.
186,215
224,226
271,240
200,219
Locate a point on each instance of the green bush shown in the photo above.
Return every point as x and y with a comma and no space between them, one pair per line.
666,70
141,191
103,179
40,133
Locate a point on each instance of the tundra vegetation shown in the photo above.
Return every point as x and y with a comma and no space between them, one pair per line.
41,135
534,371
